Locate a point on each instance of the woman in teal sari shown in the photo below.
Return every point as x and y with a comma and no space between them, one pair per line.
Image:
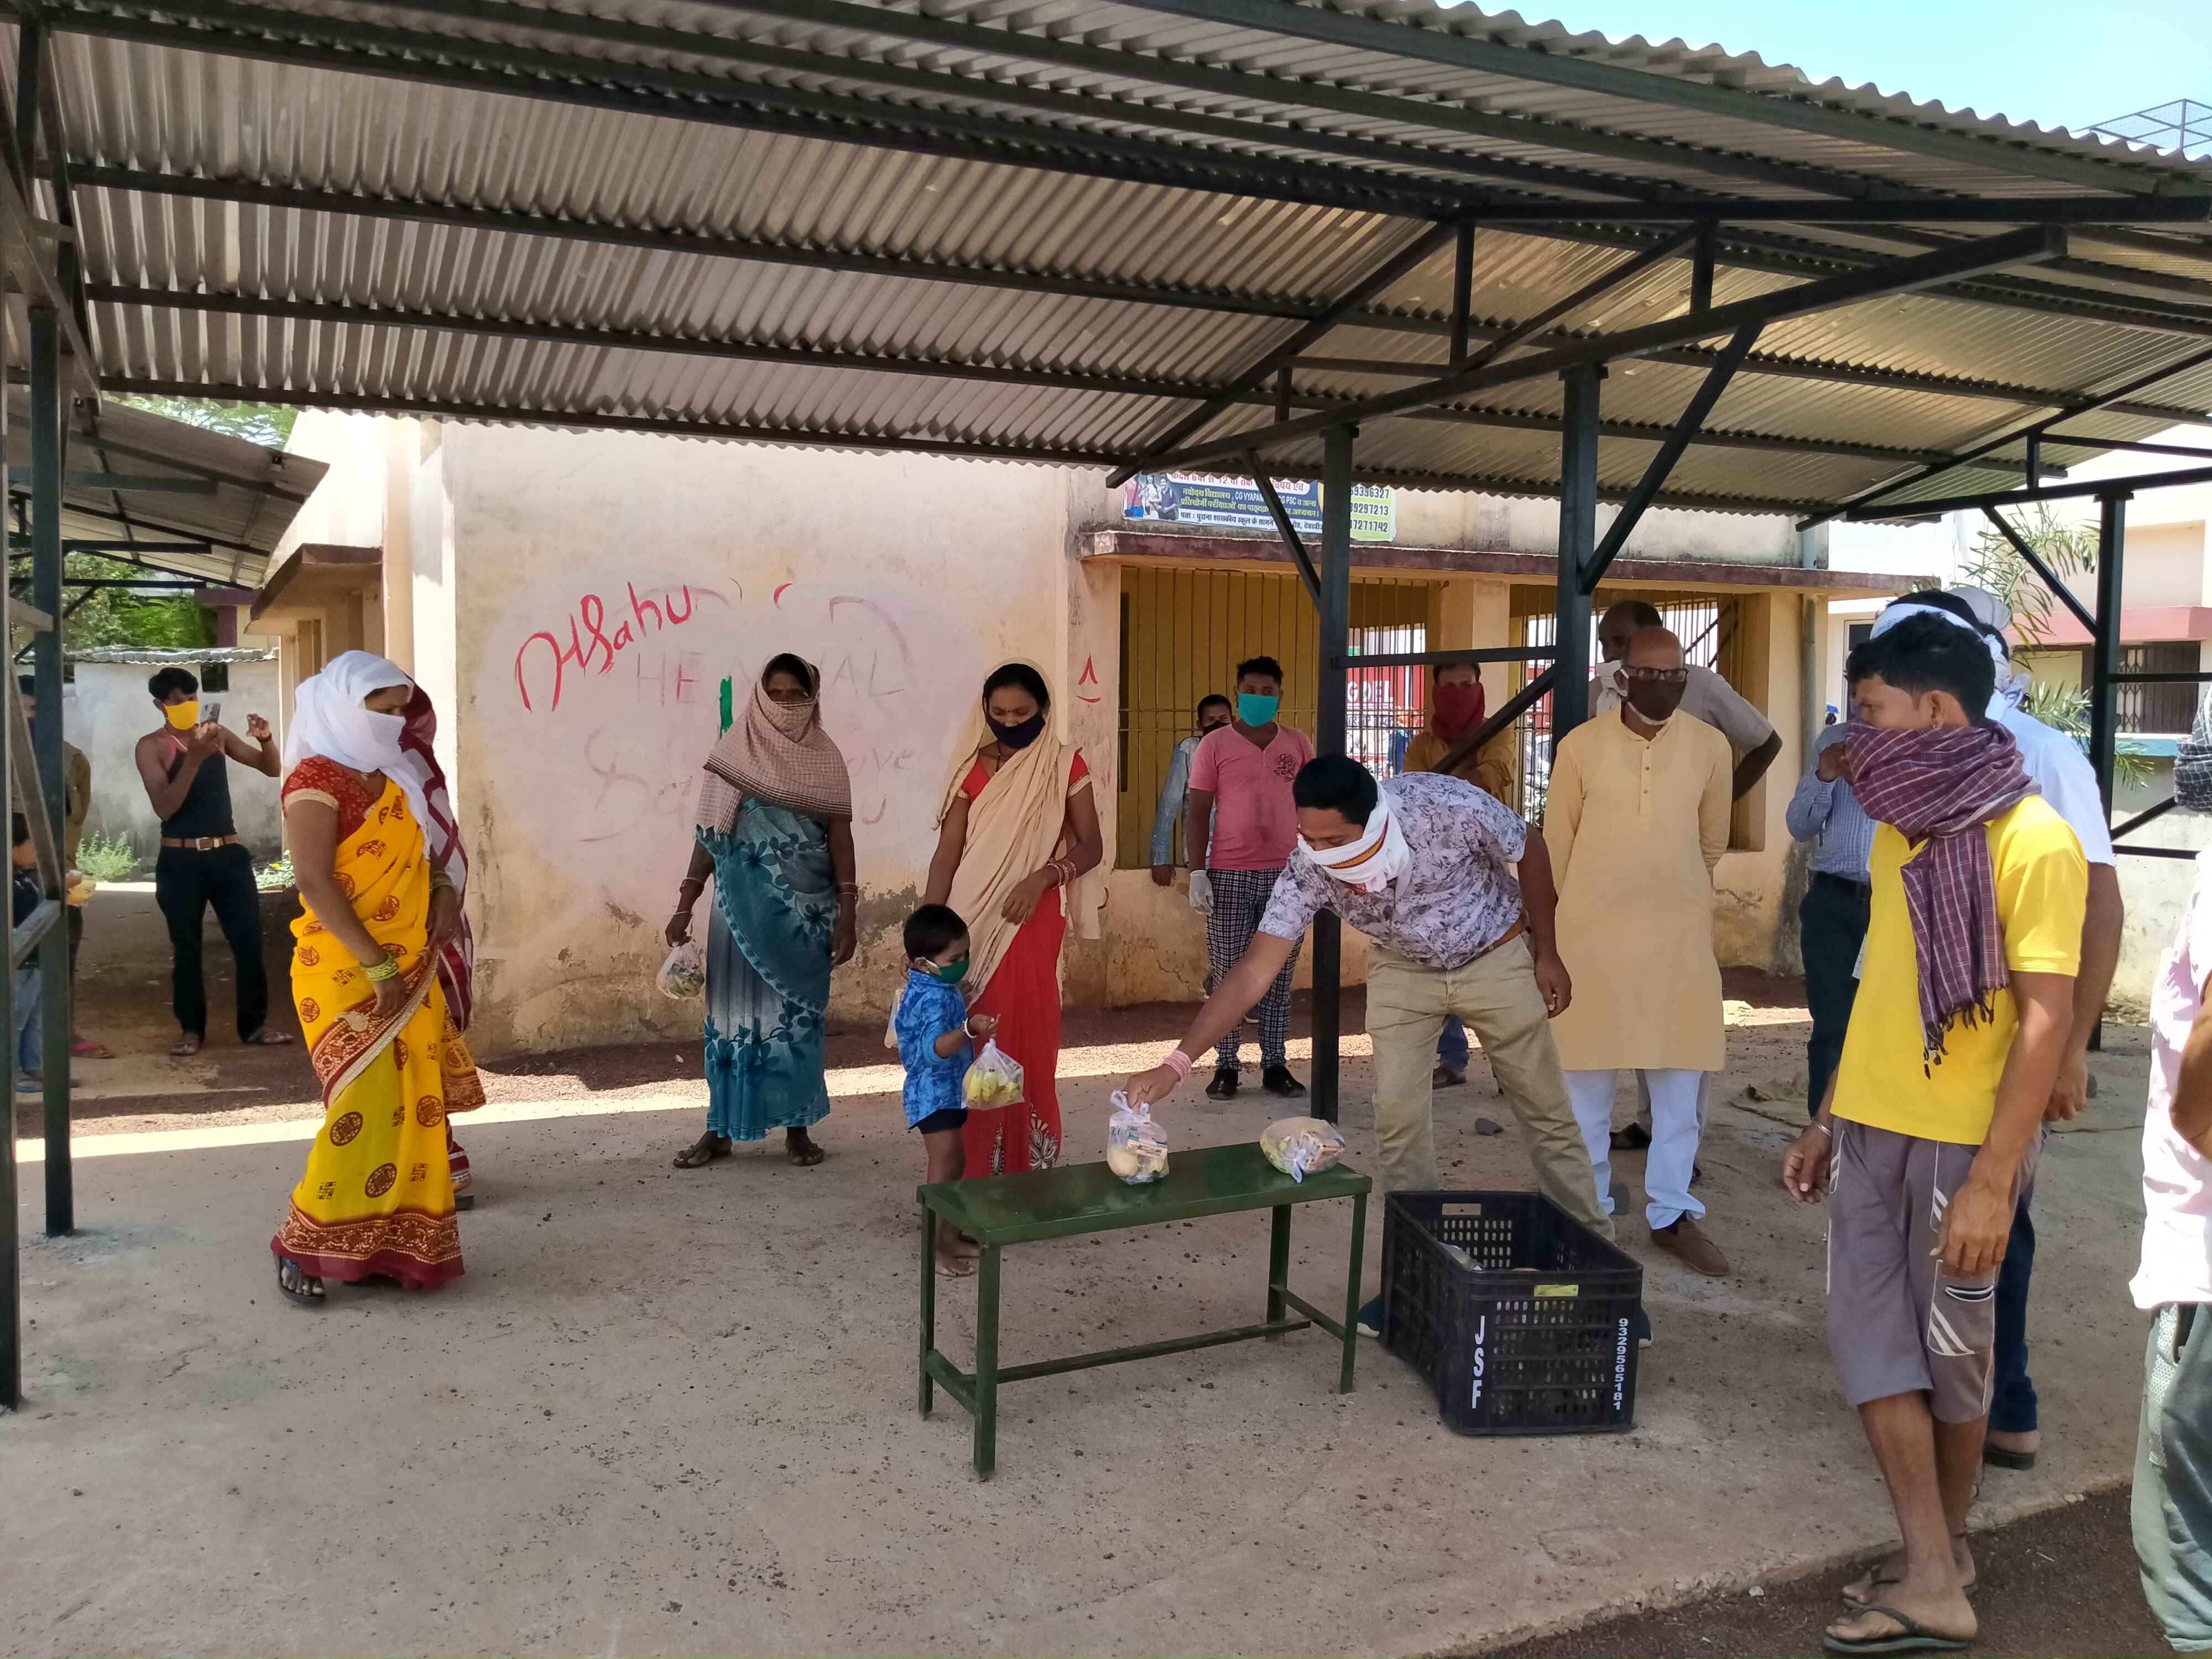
775,832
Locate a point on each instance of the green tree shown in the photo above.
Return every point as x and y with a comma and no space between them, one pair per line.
259,423
1995,563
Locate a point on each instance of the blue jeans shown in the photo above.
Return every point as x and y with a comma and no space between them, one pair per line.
27,1021
1451,1045
2172,1503
2012,1406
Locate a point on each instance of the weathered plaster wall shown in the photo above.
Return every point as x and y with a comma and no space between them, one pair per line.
606,584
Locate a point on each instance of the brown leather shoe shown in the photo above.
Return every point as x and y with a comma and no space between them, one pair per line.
1688,1244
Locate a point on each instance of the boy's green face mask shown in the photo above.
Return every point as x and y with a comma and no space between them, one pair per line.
952,972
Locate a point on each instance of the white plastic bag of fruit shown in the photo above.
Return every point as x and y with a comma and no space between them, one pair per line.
995,1080
683,974
1300,1146
1136,1147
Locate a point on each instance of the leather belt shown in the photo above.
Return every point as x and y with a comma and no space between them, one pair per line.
1859,890
201,843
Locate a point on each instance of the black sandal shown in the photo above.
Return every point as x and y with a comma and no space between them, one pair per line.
703,1151
801,1149
306,1291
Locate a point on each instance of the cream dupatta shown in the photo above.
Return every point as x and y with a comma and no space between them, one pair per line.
1014,829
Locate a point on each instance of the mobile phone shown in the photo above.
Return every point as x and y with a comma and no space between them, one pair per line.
210,713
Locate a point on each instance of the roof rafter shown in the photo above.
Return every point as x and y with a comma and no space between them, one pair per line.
1800,113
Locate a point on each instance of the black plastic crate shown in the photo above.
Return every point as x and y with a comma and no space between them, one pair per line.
1534,1333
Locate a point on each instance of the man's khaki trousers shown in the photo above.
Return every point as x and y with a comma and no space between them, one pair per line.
1496,997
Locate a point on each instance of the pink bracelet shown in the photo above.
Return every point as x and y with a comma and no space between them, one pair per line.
1178,1062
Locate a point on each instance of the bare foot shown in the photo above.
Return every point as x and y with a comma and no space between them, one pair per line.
1875,1584
186,1045
1940,1612
801,1148
951,1265
966,1248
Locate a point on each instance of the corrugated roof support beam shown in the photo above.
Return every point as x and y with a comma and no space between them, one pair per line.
2067,492
1662,464
346,45
1463,293
1664,155
651,238
1800,113
2105,641
1612,277
44,803
1399,265
1578,540
2130,445
1855,510
1329,722
2043,574
1897,276
1701,267
1293,542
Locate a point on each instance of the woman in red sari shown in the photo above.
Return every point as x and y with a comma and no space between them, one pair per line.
1019,825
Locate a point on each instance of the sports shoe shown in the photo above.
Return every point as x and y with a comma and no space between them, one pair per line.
1370,1317
1683,1239
1224,1084
1278,1080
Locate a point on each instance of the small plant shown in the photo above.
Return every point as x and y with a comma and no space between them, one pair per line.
108,858
2066,709
1995,563
272,878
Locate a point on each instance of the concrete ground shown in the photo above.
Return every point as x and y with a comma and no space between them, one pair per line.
674,1411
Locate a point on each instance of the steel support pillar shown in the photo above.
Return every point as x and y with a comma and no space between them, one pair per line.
11,1273
1577,545
48,433
2105,649
1330,739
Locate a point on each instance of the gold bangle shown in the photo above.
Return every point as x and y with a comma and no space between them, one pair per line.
388,969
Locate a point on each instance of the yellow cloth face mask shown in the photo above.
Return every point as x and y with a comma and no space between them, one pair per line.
185,715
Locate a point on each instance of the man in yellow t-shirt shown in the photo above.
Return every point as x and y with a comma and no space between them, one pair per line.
1931,1122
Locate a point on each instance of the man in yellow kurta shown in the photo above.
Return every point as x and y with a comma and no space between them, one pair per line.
1637,815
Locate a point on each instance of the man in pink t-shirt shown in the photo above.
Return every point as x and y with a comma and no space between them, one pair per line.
1244,828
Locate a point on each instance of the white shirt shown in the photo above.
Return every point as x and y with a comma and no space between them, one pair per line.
1706,697
2177,1250
2056,762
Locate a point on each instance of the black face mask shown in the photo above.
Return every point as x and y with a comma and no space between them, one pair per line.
1018,737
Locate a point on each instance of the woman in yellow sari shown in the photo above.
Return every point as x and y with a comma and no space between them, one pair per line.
376,1198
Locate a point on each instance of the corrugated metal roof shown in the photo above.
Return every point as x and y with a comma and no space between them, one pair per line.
227,503
1050,232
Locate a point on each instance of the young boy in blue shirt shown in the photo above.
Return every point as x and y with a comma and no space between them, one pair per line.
936,1046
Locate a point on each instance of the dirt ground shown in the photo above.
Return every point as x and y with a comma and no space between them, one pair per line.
2058,1585
673,1412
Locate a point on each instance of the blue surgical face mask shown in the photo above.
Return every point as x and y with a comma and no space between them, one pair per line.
1255,710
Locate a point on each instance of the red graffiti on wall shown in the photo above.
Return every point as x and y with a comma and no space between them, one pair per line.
1088,676
589,646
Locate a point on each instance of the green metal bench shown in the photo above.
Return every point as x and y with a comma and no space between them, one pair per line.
997,1211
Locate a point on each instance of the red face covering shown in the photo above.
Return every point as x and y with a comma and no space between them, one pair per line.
1458,710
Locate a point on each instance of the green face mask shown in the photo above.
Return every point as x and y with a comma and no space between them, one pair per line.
1256,710
952,972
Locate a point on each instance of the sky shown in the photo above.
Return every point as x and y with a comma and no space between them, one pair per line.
2062,63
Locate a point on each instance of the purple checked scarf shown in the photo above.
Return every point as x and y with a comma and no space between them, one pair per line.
1940,785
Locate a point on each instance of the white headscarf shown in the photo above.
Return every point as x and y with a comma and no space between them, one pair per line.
328,719
1378,857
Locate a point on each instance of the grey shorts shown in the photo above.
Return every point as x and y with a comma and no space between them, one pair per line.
1897,1323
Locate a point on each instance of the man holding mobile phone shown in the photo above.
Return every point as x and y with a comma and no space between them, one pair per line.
202,861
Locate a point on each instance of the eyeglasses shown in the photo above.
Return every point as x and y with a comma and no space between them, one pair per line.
1661,675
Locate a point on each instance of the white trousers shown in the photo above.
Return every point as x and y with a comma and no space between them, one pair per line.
1675,1133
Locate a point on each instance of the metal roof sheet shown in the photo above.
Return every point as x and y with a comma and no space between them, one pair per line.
227,503
1049,232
